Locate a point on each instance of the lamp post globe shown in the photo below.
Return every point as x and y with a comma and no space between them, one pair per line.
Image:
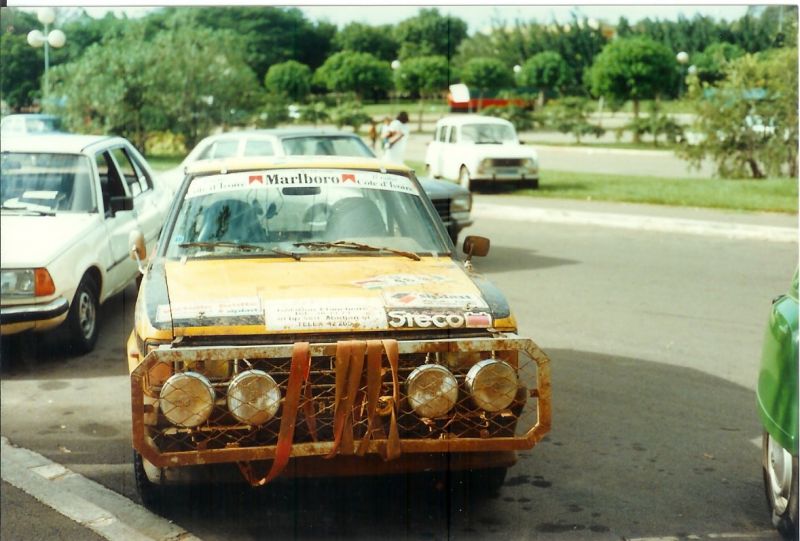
56,38
682,57
395,64
517,69
46,15
36,38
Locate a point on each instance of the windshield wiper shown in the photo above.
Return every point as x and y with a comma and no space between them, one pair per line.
240,246
24,208
489,142
348,245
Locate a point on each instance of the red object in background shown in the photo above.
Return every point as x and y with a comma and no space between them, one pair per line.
460,100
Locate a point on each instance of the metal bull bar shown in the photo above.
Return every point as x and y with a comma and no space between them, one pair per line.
196,449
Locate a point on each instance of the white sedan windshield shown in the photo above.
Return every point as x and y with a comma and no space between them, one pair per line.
46,182
300,211
488,133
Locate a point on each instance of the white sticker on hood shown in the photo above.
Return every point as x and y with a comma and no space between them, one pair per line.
393,280
308,314
233,307
414,299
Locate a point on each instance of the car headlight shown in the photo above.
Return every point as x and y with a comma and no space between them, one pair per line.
253,397
484,165
492,384
461,203
432,390
26,283
530,163
187,399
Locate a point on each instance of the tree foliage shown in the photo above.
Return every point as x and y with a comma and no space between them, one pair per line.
290,79
748,122
423,76
486,74
571,115
711,63
126,85
361,73
633,68
360,37
20,73
547,72
430,33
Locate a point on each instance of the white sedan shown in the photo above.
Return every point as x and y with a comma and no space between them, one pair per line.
69,205
471,148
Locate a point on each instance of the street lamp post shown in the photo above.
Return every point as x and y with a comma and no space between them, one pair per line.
683,59
55,38
395,66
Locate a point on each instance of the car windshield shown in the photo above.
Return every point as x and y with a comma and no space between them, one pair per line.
299,212
315,145
487,133
46,182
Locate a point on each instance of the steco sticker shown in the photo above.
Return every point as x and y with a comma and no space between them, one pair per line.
442,320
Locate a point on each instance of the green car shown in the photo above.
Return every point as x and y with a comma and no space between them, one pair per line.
777,407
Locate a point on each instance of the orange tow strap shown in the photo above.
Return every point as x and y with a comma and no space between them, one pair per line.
298,373
393,447
349,367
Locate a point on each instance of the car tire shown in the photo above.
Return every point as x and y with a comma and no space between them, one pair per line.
534,184
453,233
780,486
463,178
82,321
151,494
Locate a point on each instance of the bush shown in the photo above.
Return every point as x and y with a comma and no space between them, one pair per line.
350,114
274,111
571,115
521,118
164,143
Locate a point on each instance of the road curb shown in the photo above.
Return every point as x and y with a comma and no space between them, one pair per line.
727,230
82,500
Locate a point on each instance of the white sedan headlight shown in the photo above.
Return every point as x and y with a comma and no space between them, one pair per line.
26,283
432,390
531,164
492,384
253,397
187,399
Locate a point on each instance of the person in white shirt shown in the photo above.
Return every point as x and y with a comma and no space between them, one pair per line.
399,131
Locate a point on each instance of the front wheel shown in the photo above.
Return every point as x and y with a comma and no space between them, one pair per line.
82,318
150,493
464,178
780,485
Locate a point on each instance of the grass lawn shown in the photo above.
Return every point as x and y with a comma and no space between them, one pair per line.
772,195
646,145
161,162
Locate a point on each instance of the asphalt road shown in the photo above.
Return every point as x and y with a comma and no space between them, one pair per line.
654,340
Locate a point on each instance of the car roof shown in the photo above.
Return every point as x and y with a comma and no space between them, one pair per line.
460,120
282,133
292,162
58,143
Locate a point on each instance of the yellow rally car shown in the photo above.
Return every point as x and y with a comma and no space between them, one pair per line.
308,317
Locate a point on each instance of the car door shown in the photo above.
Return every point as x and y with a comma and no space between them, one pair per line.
433,154
451,159
118,225
148,205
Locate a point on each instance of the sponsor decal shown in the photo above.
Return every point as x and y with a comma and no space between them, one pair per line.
233,307
445,319
297,177
433,300
392,280
40,194
341,313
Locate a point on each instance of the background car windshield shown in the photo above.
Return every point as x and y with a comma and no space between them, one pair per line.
276,209
326,146
61,182
487,133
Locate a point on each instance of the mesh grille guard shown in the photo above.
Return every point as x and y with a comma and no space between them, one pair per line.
221,438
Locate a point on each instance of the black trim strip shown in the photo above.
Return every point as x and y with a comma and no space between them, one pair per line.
33,312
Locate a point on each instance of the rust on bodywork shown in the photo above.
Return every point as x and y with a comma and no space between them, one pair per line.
465,429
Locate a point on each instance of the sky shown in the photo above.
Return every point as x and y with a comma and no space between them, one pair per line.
478,17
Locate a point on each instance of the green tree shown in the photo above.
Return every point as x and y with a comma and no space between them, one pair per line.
360,37
634,69
571,115
290,79
521,118
486,74
712,61
546,72
20,73
350,114
361,73
748,122
424,76
430,33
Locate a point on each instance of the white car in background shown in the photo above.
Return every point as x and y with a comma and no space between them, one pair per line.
68,206
471,148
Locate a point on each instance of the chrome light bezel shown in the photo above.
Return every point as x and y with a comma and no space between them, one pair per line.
205,395
478,387
432,406
246,411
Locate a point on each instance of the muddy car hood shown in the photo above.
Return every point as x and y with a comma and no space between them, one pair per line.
325,294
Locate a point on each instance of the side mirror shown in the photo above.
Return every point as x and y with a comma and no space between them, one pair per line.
137,248
121,202
476,246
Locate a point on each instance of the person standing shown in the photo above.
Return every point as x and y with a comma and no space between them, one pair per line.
399,131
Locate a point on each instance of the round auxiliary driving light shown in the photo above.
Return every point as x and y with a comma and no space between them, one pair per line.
432,390
492,384
187,399
253,397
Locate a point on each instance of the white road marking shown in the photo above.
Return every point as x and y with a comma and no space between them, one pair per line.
764,534
756,442
90,504
637,222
